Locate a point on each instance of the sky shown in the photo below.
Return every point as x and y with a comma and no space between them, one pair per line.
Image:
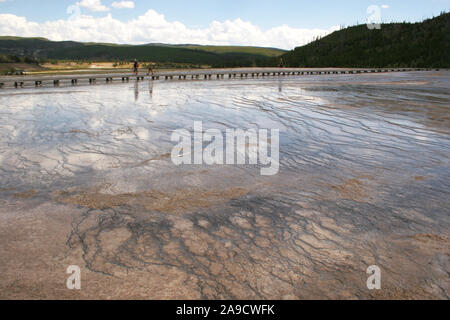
284,24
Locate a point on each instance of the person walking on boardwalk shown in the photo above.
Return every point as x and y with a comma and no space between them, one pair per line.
136,66
150,69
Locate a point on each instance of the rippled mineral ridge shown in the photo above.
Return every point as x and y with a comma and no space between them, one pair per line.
86,179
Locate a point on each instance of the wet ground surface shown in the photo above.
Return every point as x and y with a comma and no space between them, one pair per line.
86,179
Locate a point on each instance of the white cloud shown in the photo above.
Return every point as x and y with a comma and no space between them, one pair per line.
123,5
385,6
93,5
153,27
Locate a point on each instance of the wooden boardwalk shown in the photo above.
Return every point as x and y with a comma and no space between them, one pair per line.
192,74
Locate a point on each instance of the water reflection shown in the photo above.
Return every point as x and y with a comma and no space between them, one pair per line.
136,91
150,88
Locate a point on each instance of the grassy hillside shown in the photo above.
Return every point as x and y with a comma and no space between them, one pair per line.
425,44
43,49
269,52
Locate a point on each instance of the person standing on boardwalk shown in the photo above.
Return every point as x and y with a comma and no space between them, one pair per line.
136,66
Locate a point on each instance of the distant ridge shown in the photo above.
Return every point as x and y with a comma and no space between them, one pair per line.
425,44
20,38
215,56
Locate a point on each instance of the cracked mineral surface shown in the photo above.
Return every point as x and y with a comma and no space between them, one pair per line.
86,179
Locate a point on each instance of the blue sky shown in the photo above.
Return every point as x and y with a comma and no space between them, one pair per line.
199,14
265,13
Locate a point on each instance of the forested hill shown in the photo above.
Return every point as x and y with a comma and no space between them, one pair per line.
425,44
216,56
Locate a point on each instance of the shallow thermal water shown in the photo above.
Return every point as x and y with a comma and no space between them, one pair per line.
363,180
